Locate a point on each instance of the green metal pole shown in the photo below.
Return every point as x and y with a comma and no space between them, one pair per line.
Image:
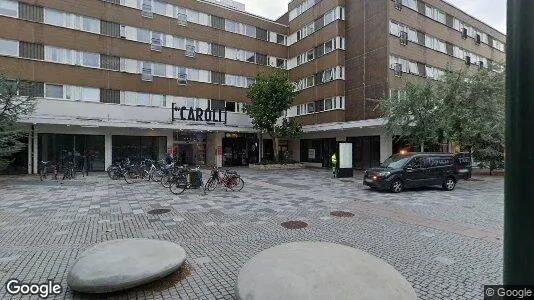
519,176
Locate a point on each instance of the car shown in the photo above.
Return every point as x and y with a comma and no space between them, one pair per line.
412,170
464,161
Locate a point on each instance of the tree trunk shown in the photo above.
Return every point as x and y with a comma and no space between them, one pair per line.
274,138
422,147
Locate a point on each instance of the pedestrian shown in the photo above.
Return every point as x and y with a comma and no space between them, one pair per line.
333,158
168,158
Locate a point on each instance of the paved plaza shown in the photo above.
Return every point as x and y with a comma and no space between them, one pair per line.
446,244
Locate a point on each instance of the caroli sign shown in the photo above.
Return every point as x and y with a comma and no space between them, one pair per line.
198,114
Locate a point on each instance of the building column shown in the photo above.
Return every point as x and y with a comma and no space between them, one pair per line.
108,159
30,150
214,149
35,150
386,146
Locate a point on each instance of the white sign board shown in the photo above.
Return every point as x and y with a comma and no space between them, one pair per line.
311,153
345,155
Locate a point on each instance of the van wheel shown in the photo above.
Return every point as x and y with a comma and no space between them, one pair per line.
449,184
397,186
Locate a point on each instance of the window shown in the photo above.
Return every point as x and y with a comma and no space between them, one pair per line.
156,41
217,22
53,17
160,70
110,62
90,94
29,12
280,63
110,96
309,55
217,104
146,71
91,25
250,57
311,107
9,8
192,16
9,48
157,100
160,8
250,31
262,34
179,43
91,59
110,29
146,8
328,104
230,53
143,99
329,17
261,59
31,50
31,88
230,25
192,74
328,47
319,105
280,39
54,91
143,35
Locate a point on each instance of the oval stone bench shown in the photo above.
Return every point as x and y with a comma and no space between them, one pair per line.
122,264
316,270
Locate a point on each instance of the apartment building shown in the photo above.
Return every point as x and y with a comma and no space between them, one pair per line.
382,45
137,78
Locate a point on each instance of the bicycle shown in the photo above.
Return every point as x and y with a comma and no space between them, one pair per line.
46,166
186,179
68,171
229,179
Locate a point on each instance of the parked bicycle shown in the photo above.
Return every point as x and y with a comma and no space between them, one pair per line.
69,172
185,178
227,178
48,168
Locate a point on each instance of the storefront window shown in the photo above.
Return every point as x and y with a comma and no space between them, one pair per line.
138,147
85,151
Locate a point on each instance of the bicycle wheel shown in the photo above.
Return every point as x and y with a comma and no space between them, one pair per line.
128,178
166,181
157,176
178,186
42,175
211,184
237,184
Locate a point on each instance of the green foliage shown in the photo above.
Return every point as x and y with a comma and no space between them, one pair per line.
465,107
12,107
270,95
289,129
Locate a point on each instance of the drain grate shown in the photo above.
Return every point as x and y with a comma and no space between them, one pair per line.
342,214
294,224
158,211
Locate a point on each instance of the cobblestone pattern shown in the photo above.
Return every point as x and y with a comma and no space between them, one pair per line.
446,244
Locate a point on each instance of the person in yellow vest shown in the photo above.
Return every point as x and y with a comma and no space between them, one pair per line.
333,158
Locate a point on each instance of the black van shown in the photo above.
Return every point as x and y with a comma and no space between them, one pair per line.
412,170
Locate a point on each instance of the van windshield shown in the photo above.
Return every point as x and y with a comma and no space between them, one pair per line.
395,161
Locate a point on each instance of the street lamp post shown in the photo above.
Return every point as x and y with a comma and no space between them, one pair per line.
519,198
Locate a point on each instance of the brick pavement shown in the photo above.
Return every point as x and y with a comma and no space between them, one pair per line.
447,244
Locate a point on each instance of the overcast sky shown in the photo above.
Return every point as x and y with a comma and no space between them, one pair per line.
492,12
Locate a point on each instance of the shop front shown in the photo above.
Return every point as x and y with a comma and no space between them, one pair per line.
239,149
190,147
85,151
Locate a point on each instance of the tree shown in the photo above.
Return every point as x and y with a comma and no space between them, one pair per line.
270,96
412,115
12,107
464,107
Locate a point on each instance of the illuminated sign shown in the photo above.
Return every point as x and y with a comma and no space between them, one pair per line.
198,114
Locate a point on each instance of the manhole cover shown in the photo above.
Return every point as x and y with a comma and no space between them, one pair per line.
159,211
294,224
342,214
